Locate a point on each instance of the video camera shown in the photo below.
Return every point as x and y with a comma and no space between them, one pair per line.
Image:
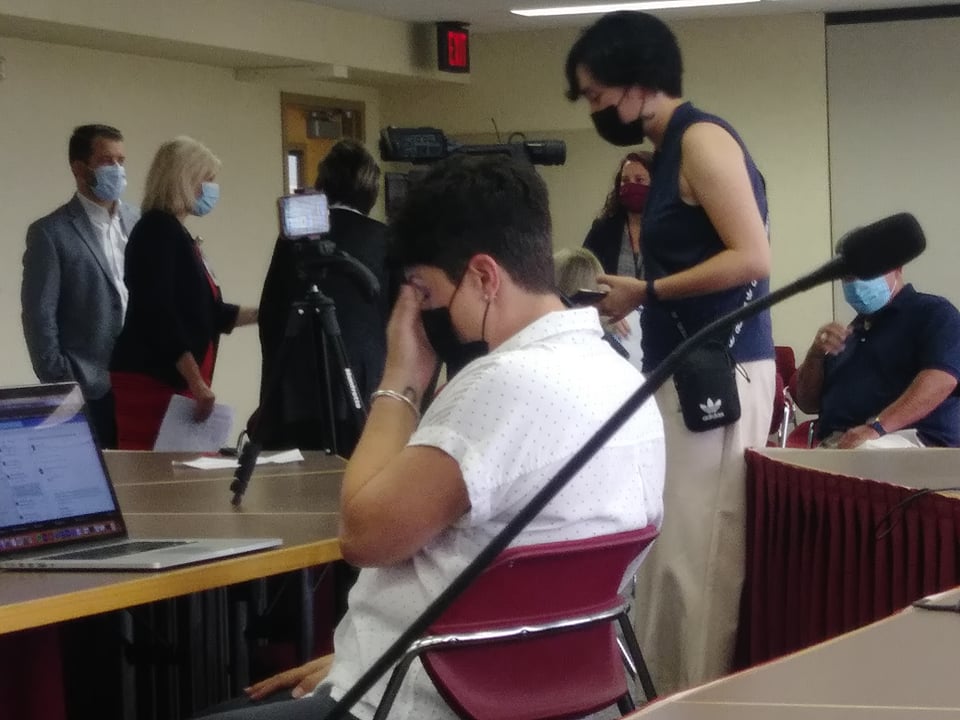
425,145
305,220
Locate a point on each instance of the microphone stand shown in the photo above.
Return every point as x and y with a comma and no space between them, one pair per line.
832,270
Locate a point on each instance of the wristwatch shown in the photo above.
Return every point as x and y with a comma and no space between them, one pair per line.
878,426
652,296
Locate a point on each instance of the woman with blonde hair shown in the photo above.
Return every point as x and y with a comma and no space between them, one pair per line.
176,312
576,270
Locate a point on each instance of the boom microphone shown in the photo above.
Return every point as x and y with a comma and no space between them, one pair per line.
866,252
882,246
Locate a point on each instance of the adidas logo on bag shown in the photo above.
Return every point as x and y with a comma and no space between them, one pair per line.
711,409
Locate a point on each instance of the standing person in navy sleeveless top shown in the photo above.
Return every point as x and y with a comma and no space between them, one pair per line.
705,252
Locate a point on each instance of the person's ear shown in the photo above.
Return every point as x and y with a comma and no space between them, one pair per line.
489,275
79,169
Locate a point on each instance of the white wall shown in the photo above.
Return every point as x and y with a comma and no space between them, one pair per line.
49,89
766,75
894,105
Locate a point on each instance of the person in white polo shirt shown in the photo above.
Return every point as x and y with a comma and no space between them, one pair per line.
423,495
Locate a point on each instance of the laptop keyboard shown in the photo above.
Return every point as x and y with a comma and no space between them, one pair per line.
112,551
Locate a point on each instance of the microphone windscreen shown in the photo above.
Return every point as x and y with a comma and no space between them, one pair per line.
882,246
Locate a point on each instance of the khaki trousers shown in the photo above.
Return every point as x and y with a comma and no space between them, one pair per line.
688,588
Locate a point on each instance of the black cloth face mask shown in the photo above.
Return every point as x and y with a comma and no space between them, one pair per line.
442,336
615,131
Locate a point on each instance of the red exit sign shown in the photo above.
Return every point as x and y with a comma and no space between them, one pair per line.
453,47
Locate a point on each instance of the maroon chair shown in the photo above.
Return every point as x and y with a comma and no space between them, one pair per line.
534,637
784,410
786,361
803,435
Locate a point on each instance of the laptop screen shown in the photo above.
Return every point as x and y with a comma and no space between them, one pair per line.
54,488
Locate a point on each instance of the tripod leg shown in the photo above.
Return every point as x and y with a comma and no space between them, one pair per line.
330,426
331,332
248,458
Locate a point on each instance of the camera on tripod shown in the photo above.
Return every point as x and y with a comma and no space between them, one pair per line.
305,220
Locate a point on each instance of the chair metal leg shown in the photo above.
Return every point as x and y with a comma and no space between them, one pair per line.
643,674
627,659
785,423
625,704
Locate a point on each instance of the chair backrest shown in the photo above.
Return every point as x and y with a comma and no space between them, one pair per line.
779,400
786,361
783,407
563,674
803,435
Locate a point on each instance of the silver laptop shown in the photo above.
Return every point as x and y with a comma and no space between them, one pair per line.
58,508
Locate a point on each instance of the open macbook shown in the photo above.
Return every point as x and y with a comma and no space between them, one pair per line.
58,507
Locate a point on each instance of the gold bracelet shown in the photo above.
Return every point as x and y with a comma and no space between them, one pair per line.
397,396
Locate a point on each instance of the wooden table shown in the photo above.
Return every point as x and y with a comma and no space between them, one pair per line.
296,502
901,667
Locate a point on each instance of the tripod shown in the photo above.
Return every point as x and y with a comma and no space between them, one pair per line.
319,310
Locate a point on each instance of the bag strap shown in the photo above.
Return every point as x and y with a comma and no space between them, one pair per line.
735,333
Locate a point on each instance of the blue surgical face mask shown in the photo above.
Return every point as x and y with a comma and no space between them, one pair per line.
867,296
108,182
209,194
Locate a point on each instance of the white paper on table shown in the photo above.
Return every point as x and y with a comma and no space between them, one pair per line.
180,432
223,463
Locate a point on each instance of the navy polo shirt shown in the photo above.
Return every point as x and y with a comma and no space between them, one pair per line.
883,355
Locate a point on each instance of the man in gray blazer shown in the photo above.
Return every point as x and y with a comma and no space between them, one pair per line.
73,298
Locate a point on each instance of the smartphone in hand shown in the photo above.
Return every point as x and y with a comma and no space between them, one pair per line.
587,297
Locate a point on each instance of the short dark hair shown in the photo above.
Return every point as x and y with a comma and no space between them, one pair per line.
467,205
627,48
81,142
612,206
349,175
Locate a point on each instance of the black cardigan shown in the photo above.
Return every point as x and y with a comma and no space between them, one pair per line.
604,240
172,307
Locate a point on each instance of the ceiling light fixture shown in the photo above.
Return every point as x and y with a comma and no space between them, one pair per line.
613,7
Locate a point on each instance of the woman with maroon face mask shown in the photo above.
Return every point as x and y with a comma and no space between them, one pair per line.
615,235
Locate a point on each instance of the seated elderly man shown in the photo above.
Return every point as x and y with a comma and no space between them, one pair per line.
422,496
891,374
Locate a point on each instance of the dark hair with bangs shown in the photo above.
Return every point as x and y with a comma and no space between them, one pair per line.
627,48
468,205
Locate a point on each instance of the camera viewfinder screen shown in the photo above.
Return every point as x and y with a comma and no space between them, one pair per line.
304,215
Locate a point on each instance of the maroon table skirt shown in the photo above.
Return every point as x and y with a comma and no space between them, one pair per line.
824,557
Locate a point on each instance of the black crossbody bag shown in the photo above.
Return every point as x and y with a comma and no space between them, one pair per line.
706,383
